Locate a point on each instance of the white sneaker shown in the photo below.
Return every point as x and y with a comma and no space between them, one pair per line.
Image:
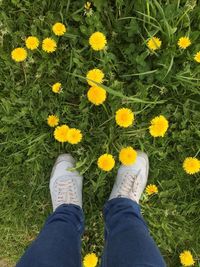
131,180
65,186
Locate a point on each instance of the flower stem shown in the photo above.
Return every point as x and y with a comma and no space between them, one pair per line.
25,78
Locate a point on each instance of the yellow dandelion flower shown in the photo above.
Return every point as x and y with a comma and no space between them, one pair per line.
159,126
97,41
197,57
60,133
186,258
74,136
106,162
184,42
151,189
49,45
52,120
96,95
191,165
59,29
127,155
87,5
32,42
124,117
96,75
57,87
90,260
19,54
154,43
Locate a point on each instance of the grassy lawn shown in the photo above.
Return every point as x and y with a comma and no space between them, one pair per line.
150,83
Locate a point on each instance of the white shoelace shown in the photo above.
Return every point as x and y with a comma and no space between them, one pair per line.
129,185
65,192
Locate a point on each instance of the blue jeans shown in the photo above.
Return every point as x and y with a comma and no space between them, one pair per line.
127,239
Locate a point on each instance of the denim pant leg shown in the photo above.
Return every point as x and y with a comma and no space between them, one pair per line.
127,239
59,242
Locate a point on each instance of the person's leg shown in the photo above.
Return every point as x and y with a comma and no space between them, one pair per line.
128,242
127,239
59,242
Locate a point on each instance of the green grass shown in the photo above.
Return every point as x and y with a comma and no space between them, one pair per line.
166,82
